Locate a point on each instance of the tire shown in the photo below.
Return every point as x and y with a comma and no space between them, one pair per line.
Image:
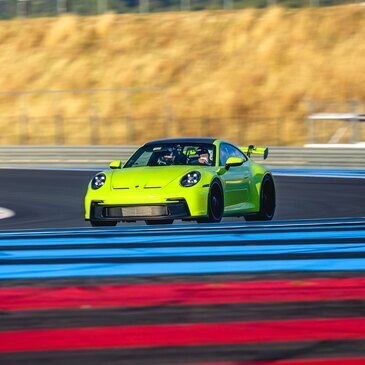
267,201
160,221
103,223
215,204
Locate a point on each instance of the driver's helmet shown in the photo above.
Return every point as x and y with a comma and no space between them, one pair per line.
167,157
204,156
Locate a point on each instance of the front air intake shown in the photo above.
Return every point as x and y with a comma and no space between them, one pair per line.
137,211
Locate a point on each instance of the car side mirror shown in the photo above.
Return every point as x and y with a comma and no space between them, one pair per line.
117,164
233,161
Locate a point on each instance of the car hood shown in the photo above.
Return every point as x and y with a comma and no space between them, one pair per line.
148,177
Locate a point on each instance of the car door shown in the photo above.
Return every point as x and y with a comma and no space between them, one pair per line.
237,181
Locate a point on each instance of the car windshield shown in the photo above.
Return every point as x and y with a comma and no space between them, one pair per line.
167,154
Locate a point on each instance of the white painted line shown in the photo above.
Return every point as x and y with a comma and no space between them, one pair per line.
189,229
319,175
6,213
289,174
335,145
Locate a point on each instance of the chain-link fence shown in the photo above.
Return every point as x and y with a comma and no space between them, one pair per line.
126,117
131,116
81,116
38,8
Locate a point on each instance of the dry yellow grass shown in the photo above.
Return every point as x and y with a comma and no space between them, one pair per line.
244,71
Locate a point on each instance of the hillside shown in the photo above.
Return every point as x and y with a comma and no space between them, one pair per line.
245,74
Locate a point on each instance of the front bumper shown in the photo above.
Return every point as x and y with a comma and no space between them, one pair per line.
121,212
195,199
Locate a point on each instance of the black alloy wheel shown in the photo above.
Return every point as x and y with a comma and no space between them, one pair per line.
267,201
215,204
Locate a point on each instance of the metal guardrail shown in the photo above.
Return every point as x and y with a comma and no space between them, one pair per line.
321,157
100,156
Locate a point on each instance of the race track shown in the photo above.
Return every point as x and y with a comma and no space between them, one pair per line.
53,199
287,292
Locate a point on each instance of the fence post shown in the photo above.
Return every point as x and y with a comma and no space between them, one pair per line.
310,123
185,5
22,120
58,122
23,8
354,123
144,6
128,120
228,4
63,6
93,121
103,6
167,119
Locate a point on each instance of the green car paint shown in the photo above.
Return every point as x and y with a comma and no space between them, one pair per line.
161,185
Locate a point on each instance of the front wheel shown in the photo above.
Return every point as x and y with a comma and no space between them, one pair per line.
159,221
103,223
215,204
267,201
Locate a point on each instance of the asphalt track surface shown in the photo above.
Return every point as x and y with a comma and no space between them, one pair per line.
54,199
287,292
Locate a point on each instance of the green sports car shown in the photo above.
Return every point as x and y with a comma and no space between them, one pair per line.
200,179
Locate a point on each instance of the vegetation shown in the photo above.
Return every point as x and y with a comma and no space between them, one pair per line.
243,74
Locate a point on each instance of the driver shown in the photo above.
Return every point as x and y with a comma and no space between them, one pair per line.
167,158
203,156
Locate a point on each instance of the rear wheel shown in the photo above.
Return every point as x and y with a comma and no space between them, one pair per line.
103,223
159,221
215,204
267,201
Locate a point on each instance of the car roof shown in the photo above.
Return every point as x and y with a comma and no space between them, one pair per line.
183,140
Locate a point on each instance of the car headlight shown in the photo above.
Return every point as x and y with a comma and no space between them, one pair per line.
98,181
190,179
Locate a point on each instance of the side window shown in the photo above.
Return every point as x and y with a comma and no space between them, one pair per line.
238,153
223,154
226,151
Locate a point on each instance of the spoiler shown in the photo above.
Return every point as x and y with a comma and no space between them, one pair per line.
263,151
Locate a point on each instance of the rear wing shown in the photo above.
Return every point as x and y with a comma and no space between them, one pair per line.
252,150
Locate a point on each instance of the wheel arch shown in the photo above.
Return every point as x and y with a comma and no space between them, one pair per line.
259,173
217,179
211,214
265,175
262,214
